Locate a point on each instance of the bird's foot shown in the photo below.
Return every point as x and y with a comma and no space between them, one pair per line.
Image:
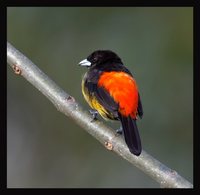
94,114
119,131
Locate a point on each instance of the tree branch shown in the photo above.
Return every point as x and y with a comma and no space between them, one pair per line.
66,104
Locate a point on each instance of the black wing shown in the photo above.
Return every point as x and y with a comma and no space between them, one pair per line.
140,109
103,98
107,101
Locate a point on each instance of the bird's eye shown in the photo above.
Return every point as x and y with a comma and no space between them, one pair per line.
95,59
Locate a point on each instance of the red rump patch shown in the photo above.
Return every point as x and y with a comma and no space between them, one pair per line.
123,88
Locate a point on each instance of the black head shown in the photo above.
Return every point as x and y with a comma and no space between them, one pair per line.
100,57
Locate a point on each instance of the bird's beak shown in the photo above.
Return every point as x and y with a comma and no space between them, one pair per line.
85,62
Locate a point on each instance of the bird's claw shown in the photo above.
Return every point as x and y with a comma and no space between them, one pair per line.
119,131
94,114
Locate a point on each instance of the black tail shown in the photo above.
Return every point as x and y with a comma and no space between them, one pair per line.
131,134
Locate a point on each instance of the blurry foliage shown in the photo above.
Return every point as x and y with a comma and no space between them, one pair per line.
46,149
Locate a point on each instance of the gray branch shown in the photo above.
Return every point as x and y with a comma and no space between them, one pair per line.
67,104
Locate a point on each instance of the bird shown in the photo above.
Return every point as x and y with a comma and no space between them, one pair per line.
111,91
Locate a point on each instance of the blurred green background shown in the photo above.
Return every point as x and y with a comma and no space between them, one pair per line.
47,149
